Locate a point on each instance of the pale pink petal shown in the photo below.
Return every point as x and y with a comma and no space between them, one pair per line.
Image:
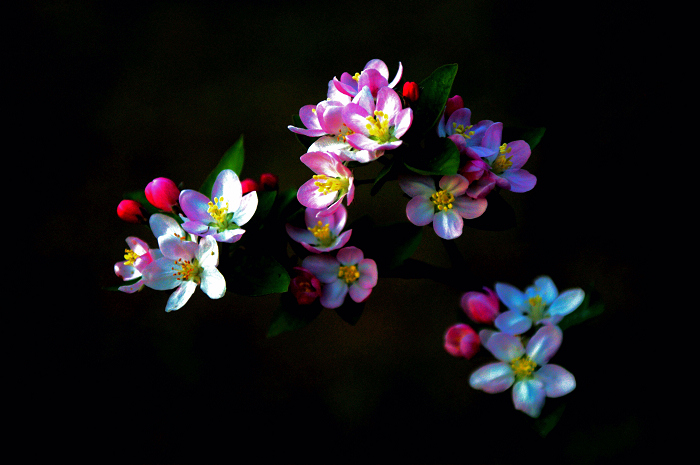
368,273
448,224
469,208
455,184
350,256
181,295
358,293
228,186
420,211
417,185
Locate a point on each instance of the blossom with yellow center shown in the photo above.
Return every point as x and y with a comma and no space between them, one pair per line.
332,181
323,233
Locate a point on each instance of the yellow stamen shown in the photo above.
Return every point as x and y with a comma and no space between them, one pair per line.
187,270
130,256
523,366
323,233
356,77
502,163
463,131
349,273
537,306
218,210
327,185
378,125
443,200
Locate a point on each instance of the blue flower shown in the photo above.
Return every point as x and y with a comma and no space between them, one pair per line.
540,304
526,369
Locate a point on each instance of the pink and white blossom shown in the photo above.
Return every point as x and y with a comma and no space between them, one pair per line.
323,232
375,75
331,182
136,259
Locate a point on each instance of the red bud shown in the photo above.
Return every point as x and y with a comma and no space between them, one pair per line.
163,194
410,91
131,211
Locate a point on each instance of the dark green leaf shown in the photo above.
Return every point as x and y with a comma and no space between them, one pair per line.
266,200
589,308
250,271
434,92
545,423
388,172
290,316
232,160
439,157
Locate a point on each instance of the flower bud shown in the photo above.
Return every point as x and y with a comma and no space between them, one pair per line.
163,194
305,286
131,211
410,91
268,182
249,185
481,307
462,341
453,103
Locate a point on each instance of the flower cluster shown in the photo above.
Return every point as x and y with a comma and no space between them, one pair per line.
523,367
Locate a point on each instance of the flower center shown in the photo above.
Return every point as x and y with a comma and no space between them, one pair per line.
218,210
523,366
349,274
443,200
184,270
378,126
343,132
130,256
502,163
461,130
322,232
327,185
537,306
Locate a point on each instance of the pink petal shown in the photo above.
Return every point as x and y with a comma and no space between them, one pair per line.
420,211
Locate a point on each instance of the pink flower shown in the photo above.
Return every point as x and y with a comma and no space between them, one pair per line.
481,307
445,207
458,128
136,259
132,211
349,272
163,194
331,183
462,341
305,287
375,75
376,126
323,232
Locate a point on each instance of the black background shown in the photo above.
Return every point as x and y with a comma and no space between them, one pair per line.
111,95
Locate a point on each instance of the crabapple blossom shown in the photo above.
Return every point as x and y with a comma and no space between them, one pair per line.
304,286
349,272
136,258
526,369
461,341
480,307
541,303
323,232
331,183
458,129
445,206
132,211
184,265
223,215
375,75
163,194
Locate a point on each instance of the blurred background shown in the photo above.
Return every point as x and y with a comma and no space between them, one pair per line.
115,94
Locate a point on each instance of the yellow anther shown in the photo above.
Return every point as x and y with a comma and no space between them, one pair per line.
501,163
537,306
378,125
356,77
327,185
130,256
186,270
443,200
322,232
523,366
218,210
349,274
464,131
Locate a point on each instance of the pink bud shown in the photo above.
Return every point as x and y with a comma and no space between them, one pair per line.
131,211
249,185
163,194
304,286
481,307
410,91
268,182
453,103
462,341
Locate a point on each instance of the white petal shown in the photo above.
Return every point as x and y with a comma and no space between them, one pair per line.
567,302
213,282
492,378
544,344
528,396
181,295
512,322
246,209
505,347
557,380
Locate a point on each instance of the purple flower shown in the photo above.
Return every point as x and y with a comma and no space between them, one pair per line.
376,126
349,272
136,259
459,129
525,369
331,183
444,207
323,232
223,215
505,160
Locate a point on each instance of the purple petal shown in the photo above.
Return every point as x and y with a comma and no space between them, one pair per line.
528,396
195,206
368,273
324,267
519,153
359,293
333,294
349,256
455,184
512,297
520,180
492,378
492,137
469,208
505,347
372,79
544,344
557,380
309,196
420,211
300,235
512,322
417,185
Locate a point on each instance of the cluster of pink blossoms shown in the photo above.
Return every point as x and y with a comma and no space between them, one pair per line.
187,229
525,368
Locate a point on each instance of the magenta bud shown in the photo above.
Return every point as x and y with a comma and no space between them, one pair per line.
305,287
249,185
410,91
131,211
268,182
163,194
453,103
462,341
481,307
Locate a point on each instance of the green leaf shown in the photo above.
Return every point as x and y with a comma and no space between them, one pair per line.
231,160
439,157
544,424
266,200
530,135
140,197
291,316
250,271
434,92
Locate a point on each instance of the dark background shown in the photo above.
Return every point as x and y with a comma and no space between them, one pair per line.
111,95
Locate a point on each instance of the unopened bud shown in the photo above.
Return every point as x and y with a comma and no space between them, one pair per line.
453,103
132,211
410,91
249,185
163,194
462,341
268,182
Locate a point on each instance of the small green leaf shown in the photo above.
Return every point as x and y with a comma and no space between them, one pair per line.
291,316
232,160
388,172
434,92
589,308
544,424
439,157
